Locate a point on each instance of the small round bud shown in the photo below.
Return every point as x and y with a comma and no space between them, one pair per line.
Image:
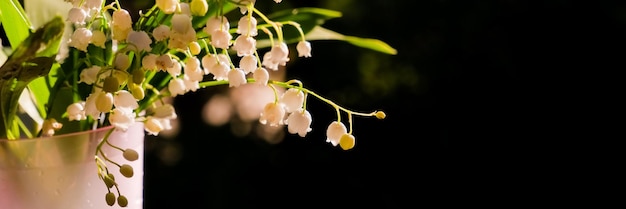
110,198
380,114
347,141
136,90
194,48
122,201
138,75
122,61
126,170
111,84
199,7
131,155
109,180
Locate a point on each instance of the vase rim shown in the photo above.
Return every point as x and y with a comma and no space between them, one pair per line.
62,135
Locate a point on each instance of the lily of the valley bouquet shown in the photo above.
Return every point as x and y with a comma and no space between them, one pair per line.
96,66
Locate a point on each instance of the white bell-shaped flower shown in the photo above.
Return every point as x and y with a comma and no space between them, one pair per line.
236,77
299,122
261,76
334,132
177,86
175,69
153,126
90,105
273,114
122,118
93,4
304,49
280,54
161,32
121,25
221,39
166,111
191,85
76,15
139,41
180,23
216,23
76,111
248,63
148,61
247,26
125,99
292,99
80,39
89,75
219,70
267,62
164,61
49,127
244,45
193,69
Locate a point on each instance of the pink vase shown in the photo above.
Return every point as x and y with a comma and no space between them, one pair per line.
60,172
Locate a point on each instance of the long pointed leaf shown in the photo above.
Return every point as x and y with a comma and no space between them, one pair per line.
14,19
23,66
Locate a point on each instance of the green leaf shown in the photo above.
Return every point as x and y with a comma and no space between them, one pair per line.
22,67
307,17
14,19
320,33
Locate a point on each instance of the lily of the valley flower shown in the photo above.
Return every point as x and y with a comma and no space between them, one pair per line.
335,131
273,114
299,122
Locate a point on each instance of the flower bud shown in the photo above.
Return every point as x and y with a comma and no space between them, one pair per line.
126,170
136,90
130,154
111,84
109,180
110,198
104,101
122,201
199,7
194,48
380,114
138,75
122,62
347,141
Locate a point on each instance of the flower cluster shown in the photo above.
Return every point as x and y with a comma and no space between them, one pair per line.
119,71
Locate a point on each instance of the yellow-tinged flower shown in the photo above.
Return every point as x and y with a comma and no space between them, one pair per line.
167,6
199,7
